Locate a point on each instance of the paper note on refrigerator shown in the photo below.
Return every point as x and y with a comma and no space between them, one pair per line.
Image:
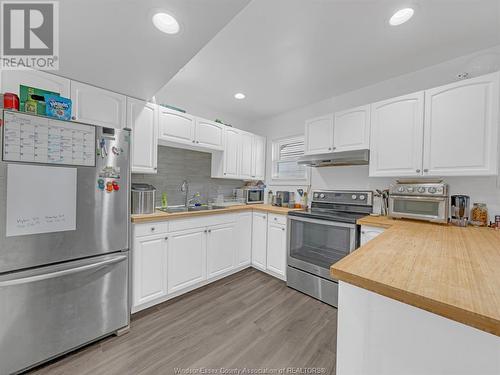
40,199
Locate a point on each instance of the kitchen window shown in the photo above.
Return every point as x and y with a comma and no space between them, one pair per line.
285,155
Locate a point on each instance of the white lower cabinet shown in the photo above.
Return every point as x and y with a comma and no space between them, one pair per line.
259,240
186,259
170,258
221,249
276,249
149,268
369,233
243,238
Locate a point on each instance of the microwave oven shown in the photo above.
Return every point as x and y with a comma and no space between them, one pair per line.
250,195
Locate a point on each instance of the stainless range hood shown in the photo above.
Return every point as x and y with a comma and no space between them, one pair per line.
358,157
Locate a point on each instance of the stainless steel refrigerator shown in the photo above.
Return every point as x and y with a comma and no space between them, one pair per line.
64,288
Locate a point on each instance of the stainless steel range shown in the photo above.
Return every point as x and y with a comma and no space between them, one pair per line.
321,236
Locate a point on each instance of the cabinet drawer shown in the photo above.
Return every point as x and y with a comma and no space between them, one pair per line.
199,222
278,219
150,228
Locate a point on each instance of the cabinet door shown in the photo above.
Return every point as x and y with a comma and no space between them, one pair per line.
243,238
369,233
142,118
232,153
221,249
352,129
209,134
276,249
149,272
175,126
319,135
259,240
258,157
246,155
186,259
12,79
396,137
461,128
97,106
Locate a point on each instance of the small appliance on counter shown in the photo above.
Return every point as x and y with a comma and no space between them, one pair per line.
460,210
143,199
282,199
250,194
426,200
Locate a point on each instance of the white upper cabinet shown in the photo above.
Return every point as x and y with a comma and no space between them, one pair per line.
396,136
175,126
461,128
352,129
97,106
12,79
258,158
142,118
232,153
319,135
246,142
209,134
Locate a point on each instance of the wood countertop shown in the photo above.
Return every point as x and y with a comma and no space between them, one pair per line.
450,271
160,215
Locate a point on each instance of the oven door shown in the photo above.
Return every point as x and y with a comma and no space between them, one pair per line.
314,245
433,209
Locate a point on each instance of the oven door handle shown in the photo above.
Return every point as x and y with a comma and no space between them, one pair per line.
322,222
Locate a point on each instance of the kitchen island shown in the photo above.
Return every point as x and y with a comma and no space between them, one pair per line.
420,298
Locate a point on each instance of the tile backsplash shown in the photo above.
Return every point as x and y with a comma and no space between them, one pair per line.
176,165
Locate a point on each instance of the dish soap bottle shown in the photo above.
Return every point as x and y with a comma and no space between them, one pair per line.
164,200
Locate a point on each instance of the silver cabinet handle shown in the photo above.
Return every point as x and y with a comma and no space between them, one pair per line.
418,170
197,142
205,231
210,231
152,229
282,228
166,238
52,275
193,140
426,170
329,148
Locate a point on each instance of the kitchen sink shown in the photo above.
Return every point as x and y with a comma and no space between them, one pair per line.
174,209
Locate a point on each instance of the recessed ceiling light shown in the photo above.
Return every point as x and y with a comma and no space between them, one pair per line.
239,95
166,23
401,16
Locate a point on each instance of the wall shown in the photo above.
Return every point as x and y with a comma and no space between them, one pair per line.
484,189
176,165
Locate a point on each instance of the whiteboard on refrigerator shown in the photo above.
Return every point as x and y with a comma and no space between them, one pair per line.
40,199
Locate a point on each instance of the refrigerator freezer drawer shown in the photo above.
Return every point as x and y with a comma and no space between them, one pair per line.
50,310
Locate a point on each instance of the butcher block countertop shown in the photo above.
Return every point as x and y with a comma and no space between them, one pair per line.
450,271
160,215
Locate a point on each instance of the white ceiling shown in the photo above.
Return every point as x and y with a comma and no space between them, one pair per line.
288,53
113,43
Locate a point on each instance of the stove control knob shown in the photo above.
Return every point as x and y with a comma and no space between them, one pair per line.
401,189
409,189
362,197
421,190
432,190
354,197
316,195
322,195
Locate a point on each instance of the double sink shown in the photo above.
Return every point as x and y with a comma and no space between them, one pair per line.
174,209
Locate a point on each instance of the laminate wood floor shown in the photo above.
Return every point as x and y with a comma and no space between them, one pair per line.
248,320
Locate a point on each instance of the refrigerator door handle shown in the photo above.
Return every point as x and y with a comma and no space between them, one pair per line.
69,271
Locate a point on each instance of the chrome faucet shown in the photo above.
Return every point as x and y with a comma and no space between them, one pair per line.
185,190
